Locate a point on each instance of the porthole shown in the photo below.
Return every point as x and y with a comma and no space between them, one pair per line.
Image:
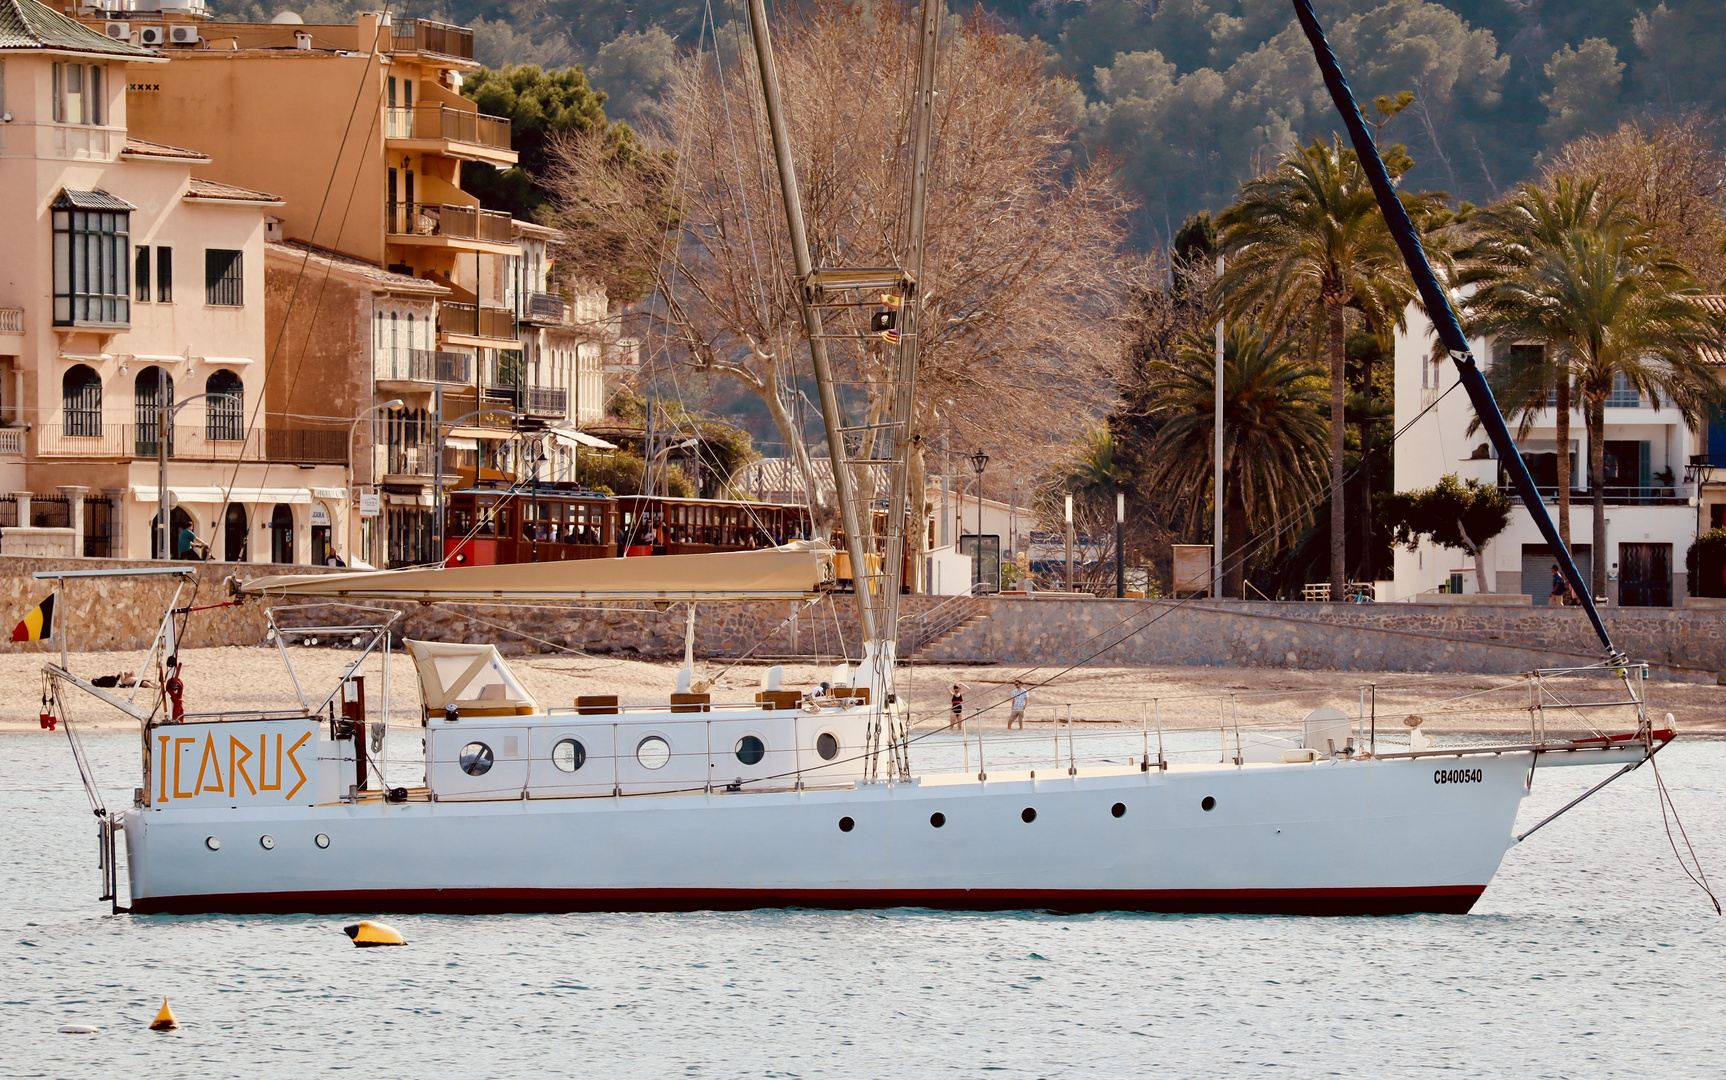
1208,803
827,745
1118,810
653,752
569,755
213,843
267,842
1028,815
846,824
322,839
475,759
750,750
937,819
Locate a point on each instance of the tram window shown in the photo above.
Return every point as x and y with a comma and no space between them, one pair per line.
485,520
461,521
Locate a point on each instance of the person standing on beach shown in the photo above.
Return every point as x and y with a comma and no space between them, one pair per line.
958,705
1021,698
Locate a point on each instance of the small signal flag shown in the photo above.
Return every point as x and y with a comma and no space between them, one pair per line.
39,624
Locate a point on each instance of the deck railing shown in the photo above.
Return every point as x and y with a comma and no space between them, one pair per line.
449,221
473,321
194,443
422,365
427,36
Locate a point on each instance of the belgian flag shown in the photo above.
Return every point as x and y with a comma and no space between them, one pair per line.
38,625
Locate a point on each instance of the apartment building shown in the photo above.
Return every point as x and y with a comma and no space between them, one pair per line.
132,275
1652,499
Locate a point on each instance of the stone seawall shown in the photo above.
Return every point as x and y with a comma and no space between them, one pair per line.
122,613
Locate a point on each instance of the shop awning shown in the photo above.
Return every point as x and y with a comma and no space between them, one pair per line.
494,434
579,438
800,570
216,495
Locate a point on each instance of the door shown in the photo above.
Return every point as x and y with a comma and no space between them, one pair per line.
1644,575
234,533
1537,563
282,534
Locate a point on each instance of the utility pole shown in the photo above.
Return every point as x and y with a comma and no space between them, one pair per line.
1217,480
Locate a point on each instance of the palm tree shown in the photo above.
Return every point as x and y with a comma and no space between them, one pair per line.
1308,241
1274,436
1608,302
1508,241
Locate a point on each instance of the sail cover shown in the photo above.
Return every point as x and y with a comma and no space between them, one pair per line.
803,569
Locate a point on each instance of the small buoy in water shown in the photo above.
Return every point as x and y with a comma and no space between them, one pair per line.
77,1029
367,934
165,1019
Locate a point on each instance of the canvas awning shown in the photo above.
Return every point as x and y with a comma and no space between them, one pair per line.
803,569
292,496
579,438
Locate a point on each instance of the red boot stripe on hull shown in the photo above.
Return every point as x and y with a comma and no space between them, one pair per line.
1440,899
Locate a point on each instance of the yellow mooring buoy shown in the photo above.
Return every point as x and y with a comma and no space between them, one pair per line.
165,1019
367,934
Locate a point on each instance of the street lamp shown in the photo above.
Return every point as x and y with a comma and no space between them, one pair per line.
165,413
392,403
979,462
1120,550
533,532
1069,541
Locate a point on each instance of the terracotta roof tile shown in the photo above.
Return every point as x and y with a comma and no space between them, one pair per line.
200,188
298,250
144,148
27,24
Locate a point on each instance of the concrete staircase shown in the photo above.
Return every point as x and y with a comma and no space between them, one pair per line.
939,634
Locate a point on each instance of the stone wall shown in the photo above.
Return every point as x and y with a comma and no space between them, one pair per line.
122,613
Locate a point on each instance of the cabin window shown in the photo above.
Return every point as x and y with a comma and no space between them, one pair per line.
569,755
475,759
827,745
750,750
653,752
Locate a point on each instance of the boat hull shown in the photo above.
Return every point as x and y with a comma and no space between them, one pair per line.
1326,838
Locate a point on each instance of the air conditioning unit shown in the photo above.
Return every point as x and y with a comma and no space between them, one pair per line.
183,35
151,35
119,31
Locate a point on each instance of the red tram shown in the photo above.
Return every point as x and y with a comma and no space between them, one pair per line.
554,522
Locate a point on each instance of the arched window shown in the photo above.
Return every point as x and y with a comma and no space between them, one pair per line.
151,388
81,399
225,408
234,533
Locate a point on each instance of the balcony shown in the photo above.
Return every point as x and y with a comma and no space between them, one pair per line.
550,402
421,366
450,132
483,327
11,320
410,461
193,443
12,442
1622,495
547,309
442,225
432,38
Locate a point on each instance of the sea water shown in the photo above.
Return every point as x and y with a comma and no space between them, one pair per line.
1590,956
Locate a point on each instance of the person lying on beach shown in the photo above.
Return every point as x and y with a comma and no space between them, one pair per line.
125,678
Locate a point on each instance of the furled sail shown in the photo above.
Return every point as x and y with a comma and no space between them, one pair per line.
799,570
1443,316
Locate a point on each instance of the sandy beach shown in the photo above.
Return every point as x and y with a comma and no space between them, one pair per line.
254,677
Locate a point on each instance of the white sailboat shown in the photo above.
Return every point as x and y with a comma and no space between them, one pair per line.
788,799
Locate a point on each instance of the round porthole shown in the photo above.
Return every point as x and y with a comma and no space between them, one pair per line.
653,752
268,843
827,745
322,839
937,819
475,759
213,843
846,824
1208,803
1028,815
1118,810
568,754
750,750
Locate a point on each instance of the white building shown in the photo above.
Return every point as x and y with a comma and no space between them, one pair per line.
1650,520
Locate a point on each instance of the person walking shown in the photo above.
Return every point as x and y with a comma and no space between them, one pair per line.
958,705
1021,698
1560,588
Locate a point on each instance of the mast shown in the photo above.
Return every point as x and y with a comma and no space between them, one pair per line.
831,418
1444,320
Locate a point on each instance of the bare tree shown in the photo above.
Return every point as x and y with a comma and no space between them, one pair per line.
1018,292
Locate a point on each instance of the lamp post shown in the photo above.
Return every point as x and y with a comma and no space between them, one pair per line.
165,413
392,403
979,462
533,542
1069,541
1120,548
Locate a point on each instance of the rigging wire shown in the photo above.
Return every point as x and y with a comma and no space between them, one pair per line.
1700,877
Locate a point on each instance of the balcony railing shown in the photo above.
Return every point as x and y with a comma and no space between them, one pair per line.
421,365
410,461
473,321
545,401
1627,495
426,36
442,219
193,443
545,308
12,442
441,122
11,320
